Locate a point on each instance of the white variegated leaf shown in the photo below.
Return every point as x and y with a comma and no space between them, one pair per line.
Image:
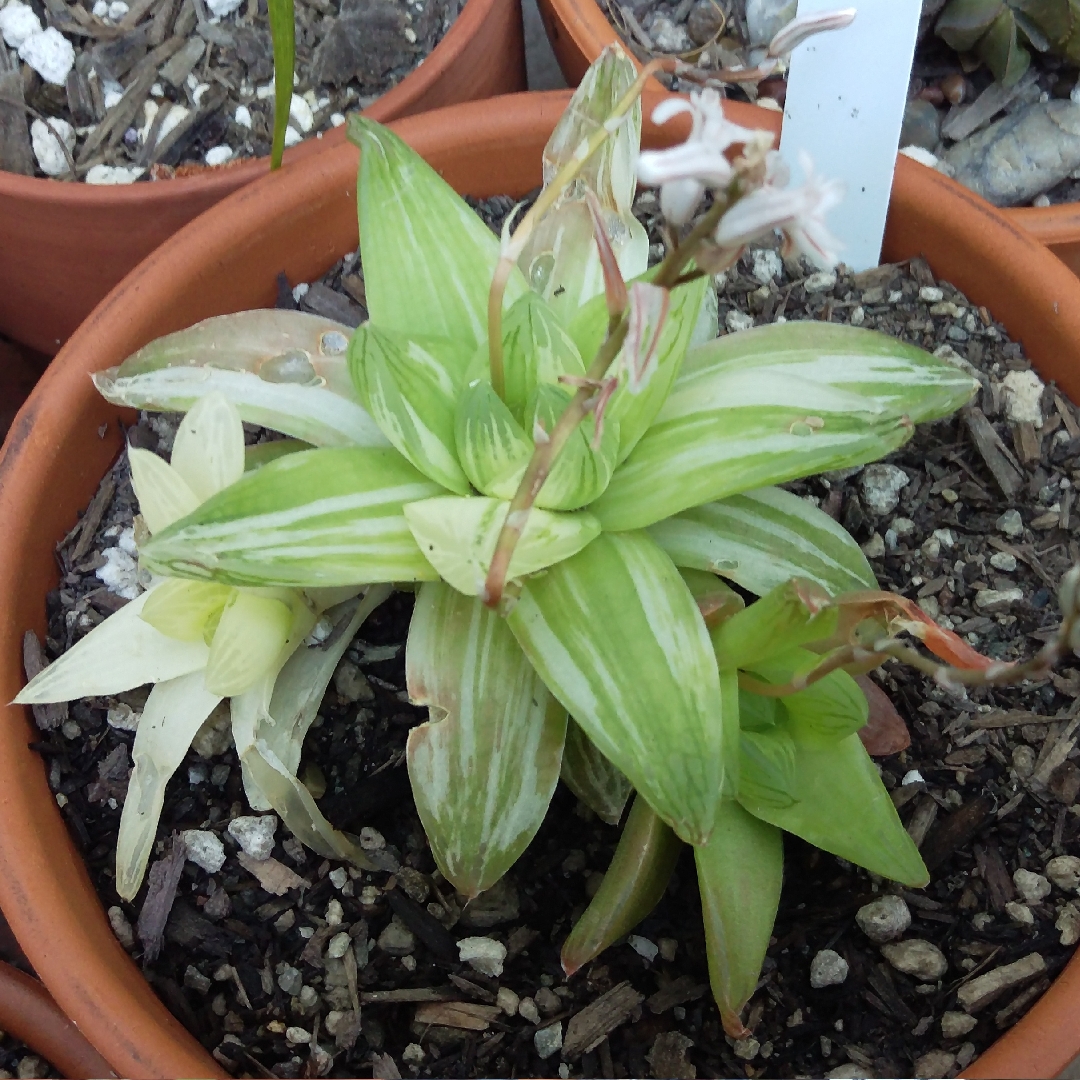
773,404
249,638
761,538
284,370
208,451
318,518
186,609
171,718
458,537
410,387
121,653
617,637
428,258
164,496
492,446
484,767
592,778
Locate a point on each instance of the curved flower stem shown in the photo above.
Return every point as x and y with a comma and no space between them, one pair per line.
547,199
545,452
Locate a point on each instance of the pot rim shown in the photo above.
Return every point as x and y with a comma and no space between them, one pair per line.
45,890
144,195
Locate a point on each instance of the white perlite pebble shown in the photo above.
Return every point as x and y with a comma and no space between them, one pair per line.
101,9
746,1049
298,1036
17,23
1003,561
507,1000
822,281
995,600
918,958
113,174
221,8
736,320
767,265
527,1010
338,877
292,136
955,1025
934,1064
1010,523
1019,913
255,834
218,155
1064,872
645,948
337,119
300,114
413,1054
48,149
1031,887
1023,391
117,10
205,849
828,968
339,945
121,927
884,919
931,294
548,1040
50,54
242,116
1068,924
120,572
881,486
485,955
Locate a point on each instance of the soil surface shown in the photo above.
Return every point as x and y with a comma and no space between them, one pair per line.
254,966
167,87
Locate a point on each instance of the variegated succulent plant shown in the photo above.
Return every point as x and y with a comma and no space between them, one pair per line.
997,31
575,474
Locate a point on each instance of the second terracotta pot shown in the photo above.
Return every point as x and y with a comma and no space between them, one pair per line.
301,221
63,246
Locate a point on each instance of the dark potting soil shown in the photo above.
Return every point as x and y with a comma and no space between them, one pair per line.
979,535
194,82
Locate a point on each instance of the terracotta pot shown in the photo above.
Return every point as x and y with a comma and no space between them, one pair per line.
63,246
301,221
1058,227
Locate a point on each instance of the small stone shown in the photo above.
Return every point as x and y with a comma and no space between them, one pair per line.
300,114
981,991
52,161
668,36
1010,523
668,947
766,18
931,294
17,23
747,1049
351,683
298,1036
339,945
767,264
1031,887
1023,391
204,849
339,877
645,948
1064,872
195,980
117,10
221,8
292,136
547,1001
1003,561
704,22
902,526
668,1056
255,834
397,939
334,913
242,116
1020,914
218,155
955,1025
874,548
50,54
850,1071
413,1054
113,174
483,954
1068,924
736,320
822,281
548,1040
921,126
934,1064
121,927
884,920
881,486
122,717
828,968
917,958
214,736
527,1010
289,979
507,1000
371,840
997,600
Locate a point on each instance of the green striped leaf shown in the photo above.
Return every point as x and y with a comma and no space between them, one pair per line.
618,639
842,806
484,767
761,539
428,259
592,778
492,446
633,885
739,872
794,399
458,537
635,412
283,370
767,766
410,387
310,519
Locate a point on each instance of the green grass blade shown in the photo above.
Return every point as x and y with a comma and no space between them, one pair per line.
283,32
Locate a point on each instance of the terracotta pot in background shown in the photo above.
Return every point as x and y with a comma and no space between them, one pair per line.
301,221
64,245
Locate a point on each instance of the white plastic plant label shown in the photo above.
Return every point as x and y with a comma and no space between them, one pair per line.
845,104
